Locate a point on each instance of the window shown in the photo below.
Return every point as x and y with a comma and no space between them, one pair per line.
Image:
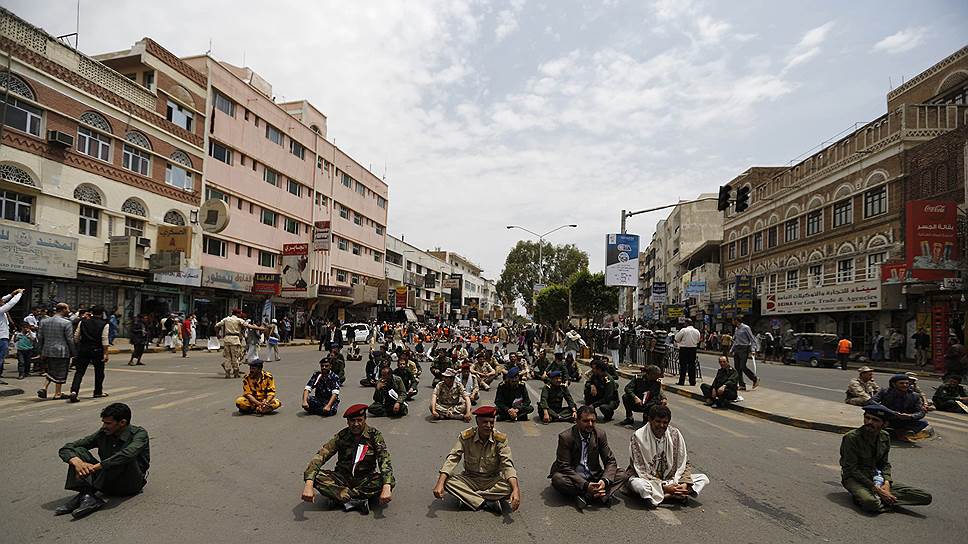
294,188
843,213
136,160
360,188
358,219
179,177
268,217
814,222
758,242
357,249
238,203
267,259
238,248
874,265
179,116
744,247
816,275
875,202
791,230
321,199
346,180
148,80
270,176
758,283
845,270
15,206
248,252
793,278
344,212
291,225
732,250
381,202
225,104
356,279
379,229
22,116
134,227
297,149
87,221
377,257
341,276
173,217
213,246
343,244
211,192
219,152
93,144
273,134
771,236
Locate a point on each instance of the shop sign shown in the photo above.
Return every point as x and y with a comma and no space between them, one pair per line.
401,296
451,282
660,292
322,235
675,311
265,284
334,291
191,277
953,284
931,237
744,292
173,238
940,317
457,292
696,288
295,262
213,215
835,298
33,252
226,279
622,260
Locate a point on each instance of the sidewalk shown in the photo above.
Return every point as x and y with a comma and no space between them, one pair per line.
885,367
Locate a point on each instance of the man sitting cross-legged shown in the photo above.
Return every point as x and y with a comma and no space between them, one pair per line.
449,399
556,403
601,391
258,391
321,395
642,393
659,466
511,399
584,466
724,388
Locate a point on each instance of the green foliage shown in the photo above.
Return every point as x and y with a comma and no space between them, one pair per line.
521,267
552,304
590,297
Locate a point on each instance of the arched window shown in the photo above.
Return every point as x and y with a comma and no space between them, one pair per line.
96,120
21,115
181,158
86,192
138,139
9,172
16,85
177,175
91,142
875,178
134,207
137,159
175,218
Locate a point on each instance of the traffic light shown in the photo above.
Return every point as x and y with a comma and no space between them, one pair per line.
742,198
724,194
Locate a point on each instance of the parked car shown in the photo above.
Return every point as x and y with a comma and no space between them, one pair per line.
356,332
813,348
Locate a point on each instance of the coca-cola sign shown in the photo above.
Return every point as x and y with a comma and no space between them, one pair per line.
931,235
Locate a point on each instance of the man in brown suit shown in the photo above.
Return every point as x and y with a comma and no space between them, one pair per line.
585,467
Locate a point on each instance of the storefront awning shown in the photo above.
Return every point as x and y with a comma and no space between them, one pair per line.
104,275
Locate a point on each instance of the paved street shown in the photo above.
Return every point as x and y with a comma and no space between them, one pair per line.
216,475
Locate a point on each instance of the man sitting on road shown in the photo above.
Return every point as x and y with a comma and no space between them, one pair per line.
321,395
485,373
363,470
584,466
489,478
556,403
601,391
258,391
951,396
724,388
440,364
406,376
659,466
389,396
556,365
906,421
642,393
339,362
862,389
371,372
449,400
865,470
511,399
469,382
122,470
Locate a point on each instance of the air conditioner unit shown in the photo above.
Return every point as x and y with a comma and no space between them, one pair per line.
60,138
144,242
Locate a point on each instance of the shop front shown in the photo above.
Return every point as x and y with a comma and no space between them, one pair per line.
221,291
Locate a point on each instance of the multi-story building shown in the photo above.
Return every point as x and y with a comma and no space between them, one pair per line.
817,232
476,295
419,276
96,156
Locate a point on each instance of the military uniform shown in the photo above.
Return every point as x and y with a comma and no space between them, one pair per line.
383,401
555,366
606,397
259,388
861,457
485,374
450,402
339,366
649,391
488,467
349,480
946,395
860,393
512,396
231,327
556,399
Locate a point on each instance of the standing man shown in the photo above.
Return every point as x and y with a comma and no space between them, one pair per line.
321,395
744,344
613,342
556,403
659,463
896,342
877,352
922,343
489,479
865,470
113,325
843,351
230,330
258,391
362,472
122,469
55,342
584,466
186,333
139,339
449,399
6,304
511,399
687,339
92,338
601,391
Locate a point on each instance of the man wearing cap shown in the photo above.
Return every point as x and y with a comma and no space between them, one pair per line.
489,479
951,396
511,399
556,365
485,373
469,382
363,468
861,390
584,466
724,387
321,395
389,398
865,469
258,391
556,403
906,420
449,400
231,330
642,393
339,362
601,391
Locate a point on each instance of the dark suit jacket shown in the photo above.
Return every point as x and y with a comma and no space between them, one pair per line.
601,462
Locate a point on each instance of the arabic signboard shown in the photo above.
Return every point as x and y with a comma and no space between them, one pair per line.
660,292
265,284
172,238
622,260
334,291
451,282
295,262
191,277
401,296
696,288
744,292
931,237
33,252
457,291
851,297
226,279
322,236
675,311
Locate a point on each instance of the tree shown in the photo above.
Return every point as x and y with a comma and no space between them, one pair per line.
590,297
552,304
521,266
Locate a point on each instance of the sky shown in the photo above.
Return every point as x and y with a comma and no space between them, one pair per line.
486,113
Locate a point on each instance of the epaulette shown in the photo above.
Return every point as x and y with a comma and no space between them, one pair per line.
500,437
469,433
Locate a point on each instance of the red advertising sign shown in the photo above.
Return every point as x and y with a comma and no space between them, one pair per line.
892,272
265,284
931,235
295,268
401,293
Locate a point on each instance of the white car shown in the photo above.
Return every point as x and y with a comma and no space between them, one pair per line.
355,332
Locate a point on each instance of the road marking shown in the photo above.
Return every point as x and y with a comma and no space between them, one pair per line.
181,401
721,428
794,450
530,428
55,420
813,386
160,372
667,516
948,426
138,393
835,468
37,402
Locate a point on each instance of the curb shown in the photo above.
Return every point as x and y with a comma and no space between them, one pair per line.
762,414
921,373
159,349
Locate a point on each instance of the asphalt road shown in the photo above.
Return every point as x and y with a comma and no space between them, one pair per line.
220,477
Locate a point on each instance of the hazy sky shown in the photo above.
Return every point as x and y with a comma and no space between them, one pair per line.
540,113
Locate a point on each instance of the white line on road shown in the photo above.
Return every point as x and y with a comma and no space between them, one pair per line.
720,427
813,386
159,372
180,401
37,403
55,420
667,516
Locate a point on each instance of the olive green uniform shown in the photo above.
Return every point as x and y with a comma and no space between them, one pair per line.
382,401
347,482
946,397
556,399
512,396
606,397
861,456
488,468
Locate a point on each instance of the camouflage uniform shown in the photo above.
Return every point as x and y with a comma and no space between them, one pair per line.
349,481
260,388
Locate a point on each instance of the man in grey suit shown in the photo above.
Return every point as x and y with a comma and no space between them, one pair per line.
55,343
585,467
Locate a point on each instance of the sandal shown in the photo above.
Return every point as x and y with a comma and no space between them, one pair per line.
42,393
102,395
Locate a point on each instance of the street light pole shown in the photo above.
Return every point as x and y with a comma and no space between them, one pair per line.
541,238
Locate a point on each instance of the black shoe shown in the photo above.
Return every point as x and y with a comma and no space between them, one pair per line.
42,393
492,506
89,505
357,504
680,383
580,502
70,505
627,422
73,398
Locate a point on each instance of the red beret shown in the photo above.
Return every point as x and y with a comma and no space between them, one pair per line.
356,410
486,411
